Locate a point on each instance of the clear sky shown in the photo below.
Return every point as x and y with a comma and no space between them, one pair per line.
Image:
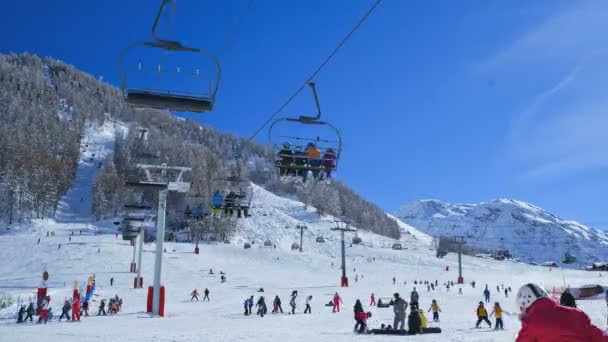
463,101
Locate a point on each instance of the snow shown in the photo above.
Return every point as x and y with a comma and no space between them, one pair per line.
278,270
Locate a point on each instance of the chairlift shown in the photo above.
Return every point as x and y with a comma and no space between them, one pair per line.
568,258
234,193
295,246
326,151
267,243
320,239
164,96
397,246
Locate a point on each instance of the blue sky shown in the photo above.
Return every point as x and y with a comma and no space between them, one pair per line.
463,101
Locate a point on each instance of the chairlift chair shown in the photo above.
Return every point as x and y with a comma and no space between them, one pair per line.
286,160
320,239
162,96
237,195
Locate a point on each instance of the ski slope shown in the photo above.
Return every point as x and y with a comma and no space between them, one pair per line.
278,270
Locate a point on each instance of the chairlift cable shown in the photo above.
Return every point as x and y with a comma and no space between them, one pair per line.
318,70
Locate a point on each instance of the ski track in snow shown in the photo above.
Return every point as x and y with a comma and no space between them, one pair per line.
278,270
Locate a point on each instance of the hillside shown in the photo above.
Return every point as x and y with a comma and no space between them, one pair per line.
527,231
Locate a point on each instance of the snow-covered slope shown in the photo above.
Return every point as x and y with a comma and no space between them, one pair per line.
370,267
527,231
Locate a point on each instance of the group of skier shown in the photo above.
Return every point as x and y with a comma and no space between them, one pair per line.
195,295
72,309
230,203
277,307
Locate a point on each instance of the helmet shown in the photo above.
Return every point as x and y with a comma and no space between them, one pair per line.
528,294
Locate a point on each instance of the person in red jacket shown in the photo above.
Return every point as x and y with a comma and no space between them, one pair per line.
76,309
545,320
372,300
337,301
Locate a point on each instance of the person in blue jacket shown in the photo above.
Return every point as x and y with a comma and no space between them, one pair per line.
217,202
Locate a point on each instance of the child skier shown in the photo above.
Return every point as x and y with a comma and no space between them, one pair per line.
276,305
360,317
482,315
206,292
65,311
436,310
308,300
20,314
102,307
261,305
497,312
336,302
292,304
30,312
372,300
194,295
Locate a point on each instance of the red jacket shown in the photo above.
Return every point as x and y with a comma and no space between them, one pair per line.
546,320
337,300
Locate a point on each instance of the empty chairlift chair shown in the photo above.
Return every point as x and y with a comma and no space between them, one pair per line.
177,83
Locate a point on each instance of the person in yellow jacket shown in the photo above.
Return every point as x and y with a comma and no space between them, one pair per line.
497,312
424,323
482,315
436,310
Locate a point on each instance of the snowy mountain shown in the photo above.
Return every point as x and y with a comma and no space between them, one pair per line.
527,231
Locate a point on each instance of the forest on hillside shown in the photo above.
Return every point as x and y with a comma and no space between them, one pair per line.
45,106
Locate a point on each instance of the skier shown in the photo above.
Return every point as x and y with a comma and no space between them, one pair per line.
206,292
65,310
414,298
58,246
261,305
482,315
394,280
285,159
486,294
360,317
250,304
194,295
329,161
20,314
432,287
399,308
506,293
307,309
218,201
356,278
246,307
30,312
436,310
337,300
314,158
85,307
43,315
38,240
292,303
276,305
102,307
372,300
112,281
497,288
497,312
545,320
76,309
567,299
413,320
460,290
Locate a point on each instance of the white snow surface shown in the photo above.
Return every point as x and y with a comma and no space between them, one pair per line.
278,270
527,231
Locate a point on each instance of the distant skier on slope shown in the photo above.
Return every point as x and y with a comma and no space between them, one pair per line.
486,294
308,309
337,300
194,295
261,305
206,292
276,305
372,300
544,320
292,304
65,310
497,312
436,310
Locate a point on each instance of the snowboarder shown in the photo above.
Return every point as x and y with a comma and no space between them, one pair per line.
413,320
414,297
545,320
194,295
360,317
482,315
30,312
486,294
292,304
261,305
399,308
436,310
497,312
307,309
65,310
20,314
206,292
336,301
567,299
372,300
102,307
112,281
276,305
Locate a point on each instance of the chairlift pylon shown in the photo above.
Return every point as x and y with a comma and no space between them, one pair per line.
324,158
165,97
